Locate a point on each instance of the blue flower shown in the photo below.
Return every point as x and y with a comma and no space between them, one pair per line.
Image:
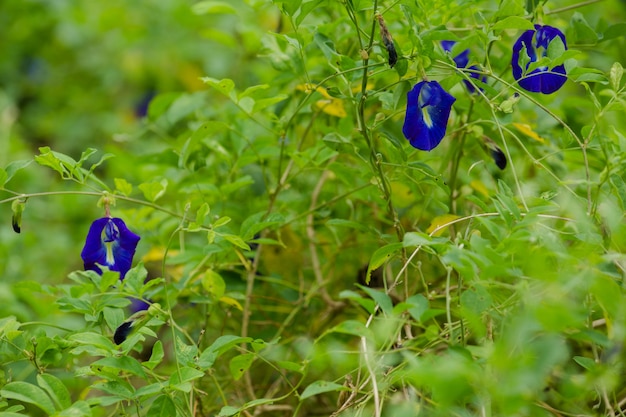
461,61
427,112
531,47
109,243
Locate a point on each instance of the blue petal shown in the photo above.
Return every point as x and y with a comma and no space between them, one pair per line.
462,59
476,76
447,45
540,80
137,305
124,248
544,81
109,243
427,112
94,250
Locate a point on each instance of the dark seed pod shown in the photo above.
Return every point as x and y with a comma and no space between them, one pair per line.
496,153
17,207
16,221
498,157
122,332
387,41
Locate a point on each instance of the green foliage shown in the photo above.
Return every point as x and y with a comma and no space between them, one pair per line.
299,257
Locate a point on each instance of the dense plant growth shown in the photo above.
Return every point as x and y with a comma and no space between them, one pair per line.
312,208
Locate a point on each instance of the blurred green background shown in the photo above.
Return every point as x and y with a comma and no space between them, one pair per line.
510,312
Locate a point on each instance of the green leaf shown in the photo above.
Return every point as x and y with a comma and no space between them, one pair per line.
109,279
263,103
214,284
617,30
505,197
181,379
9,328
4,177
55,389
78,409
221,345
93,339
159,104
28,393
210,236
240,364
163,406
254,224
476,299
103,158
348,224
510,8
135,279
228,411
213,7
153,190
615,75
185,353
156,356
121,364
202,212
513,22
291,366
419,305
259,344
413,239
225,86
620,187
121,389
352,327
150,390
50,159
84,156
581,31
379,257
587,363
123,186
556,48
581,74
326,45
367,303
382,299
15,166
320,387
222,221
291,6
237,241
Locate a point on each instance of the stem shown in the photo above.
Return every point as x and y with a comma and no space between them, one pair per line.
572,7
91,193
456,160
375,160
449,302
310,231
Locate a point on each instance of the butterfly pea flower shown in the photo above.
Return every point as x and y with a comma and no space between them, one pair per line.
461,60
109,243
531,47
427,112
